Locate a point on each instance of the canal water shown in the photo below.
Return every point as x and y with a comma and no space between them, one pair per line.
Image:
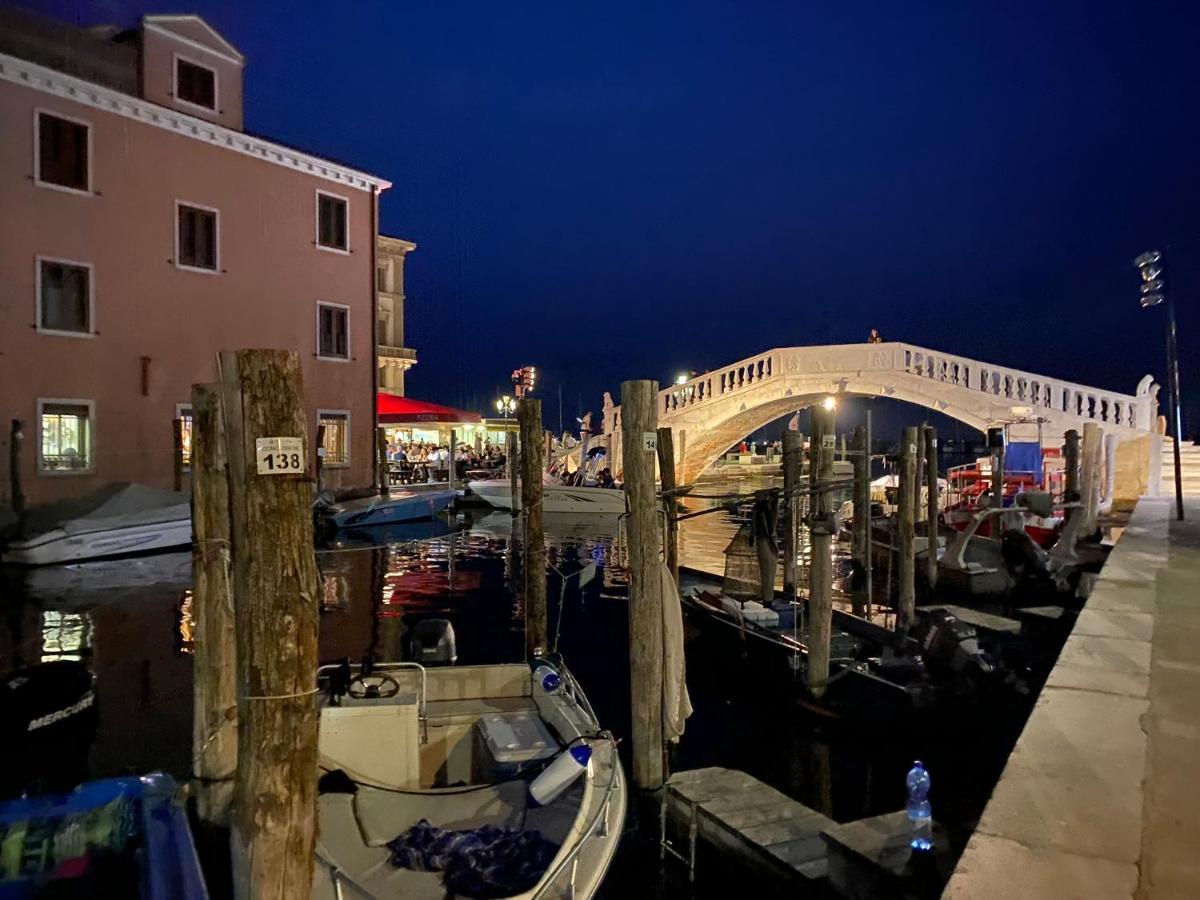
130,620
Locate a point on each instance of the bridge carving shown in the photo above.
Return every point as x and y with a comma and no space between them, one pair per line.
713,411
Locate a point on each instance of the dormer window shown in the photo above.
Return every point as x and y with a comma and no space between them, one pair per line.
195,84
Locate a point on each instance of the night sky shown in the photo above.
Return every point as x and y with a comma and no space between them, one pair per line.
613,191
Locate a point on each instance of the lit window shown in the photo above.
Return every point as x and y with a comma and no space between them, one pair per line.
62,153
336,438
64,297
196,238
333,331
183,412
66,436
331,222
195,84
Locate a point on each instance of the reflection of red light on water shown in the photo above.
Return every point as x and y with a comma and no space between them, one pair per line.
428,591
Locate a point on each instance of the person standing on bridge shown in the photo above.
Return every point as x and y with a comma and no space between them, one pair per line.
875,337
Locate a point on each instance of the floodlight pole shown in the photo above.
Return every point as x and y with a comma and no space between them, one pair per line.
1176,403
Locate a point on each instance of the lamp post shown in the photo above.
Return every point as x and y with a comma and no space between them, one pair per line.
506,405
1154,292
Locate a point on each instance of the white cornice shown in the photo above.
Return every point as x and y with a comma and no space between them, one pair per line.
156,23
86,93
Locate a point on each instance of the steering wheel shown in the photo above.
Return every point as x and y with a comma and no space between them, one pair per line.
375,686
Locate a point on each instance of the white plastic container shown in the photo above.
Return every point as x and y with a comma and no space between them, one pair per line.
560,775
507,743
546,679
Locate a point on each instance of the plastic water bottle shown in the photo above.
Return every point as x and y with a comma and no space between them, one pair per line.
547,679
919,812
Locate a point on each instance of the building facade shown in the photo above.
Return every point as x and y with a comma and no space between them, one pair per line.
145,231
394,357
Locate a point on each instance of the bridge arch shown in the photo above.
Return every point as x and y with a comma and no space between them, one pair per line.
713,411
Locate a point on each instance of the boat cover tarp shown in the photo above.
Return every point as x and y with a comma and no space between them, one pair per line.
479,862
118,505
677,705
1023,456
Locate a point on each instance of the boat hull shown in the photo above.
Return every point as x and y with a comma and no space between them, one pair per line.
393,510
59,546
556,498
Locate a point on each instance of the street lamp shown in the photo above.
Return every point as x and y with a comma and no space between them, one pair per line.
829,403
506,405
1154,291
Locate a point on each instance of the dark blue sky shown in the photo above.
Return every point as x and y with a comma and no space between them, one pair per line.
615,190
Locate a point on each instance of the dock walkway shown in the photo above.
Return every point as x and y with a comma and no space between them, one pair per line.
1098,799
749,820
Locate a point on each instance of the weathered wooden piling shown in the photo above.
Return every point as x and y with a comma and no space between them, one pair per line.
177,456
822,447
666,468
1071,464
214,680
529,414
930,448
998,475
16,437
453,464
793,453
381,462
512,464
905,527
639,422
861,534
275,588
1089,476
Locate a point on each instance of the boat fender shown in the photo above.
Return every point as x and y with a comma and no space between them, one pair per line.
559,775
547,679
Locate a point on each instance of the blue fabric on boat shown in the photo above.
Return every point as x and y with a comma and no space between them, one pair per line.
1024,456
482,862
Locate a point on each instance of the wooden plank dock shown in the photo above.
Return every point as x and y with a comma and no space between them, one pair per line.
746,819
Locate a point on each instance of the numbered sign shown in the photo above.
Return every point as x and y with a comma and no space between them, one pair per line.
279,455
649,440
829,442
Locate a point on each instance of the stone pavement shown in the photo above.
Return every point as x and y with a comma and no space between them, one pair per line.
1101,795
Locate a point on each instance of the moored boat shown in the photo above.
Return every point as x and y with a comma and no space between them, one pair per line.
471,756
393,509
120,519
556,498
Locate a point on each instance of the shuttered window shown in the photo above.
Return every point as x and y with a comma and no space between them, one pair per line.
63,152
195,84
65,297
331,222
333,331
197,237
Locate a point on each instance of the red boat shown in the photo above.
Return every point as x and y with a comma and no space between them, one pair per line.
970,488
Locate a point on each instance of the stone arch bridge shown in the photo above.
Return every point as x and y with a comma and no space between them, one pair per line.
713,411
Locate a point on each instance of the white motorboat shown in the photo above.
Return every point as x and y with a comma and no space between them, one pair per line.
396,507
120,519
556,498
401,735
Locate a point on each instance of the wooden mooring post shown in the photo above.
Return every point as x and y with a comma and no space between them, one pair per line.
529,413
512,465
214,680
639,422
275,588
793,453
16,437
666,468
1089,475
861,535
381,459
177,446
1071,465
908,492
822,448
930,448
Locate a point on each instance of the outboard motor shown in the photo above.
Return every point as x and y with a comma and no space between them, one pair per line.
1026,561
432,643
951,647
48,720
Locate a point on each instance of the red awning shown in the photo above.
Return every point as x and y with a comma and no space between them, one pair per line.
395,410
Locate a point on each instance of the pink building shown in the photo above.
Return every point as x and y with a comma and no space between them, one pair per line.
144,231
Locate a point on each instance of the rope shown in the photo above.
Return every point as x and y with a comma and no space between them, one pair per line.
315,690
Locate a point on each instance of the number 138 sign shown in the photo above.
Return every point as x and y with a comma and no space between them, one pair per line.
279,455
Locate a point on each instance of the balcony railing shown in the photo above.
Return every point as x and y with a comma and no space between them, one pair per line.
405,356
